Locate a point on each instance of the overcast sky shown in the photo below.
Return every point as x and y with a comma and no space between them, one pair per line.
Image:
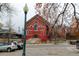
18,18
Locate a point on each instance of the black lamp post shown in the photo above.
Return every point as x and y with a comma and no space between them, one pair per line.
24,40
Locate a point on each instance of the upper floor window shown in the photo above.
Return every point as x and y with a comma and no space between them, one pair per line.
35,26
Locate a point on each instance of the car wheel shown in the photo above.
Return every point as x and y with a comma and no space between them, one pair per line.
9,50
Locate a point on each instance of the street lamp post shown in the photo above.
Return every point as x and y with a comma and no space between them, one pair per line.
24,40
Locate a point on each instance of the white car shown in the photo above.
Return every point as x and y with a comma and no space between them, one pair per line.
7,47
19,45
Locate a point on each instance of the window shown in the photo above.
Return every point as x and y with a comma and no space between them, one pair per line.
35,26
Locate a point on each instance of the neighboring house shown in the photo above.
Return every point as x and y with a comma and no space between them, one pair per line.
4,33
37,27
1,24
74,29
74,25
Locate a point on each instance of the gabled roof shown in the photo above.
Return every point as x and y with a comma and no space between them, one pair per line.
38,16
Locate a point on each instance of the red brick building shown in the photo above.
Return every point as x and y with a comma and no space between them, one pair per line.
37,27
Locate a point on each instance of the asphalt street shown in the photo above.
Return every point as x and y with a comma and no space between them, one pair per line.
45,50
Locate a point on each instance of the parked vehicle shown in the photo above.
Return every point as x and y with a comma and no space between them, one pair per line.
7,47
19,45
77,44
72,42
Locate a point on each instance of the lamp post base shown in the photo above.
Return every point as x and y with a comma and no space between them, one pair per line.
23,54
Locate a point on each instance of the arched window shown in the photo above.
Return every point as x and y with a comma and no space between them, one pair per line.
35,26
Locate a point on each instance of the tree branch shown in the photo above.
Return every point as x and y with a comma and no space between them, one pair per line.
74,9
60,14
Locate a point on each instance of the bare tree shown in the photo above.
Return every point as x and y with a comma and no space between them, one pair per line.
10,26
7,10
58,14
52,11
